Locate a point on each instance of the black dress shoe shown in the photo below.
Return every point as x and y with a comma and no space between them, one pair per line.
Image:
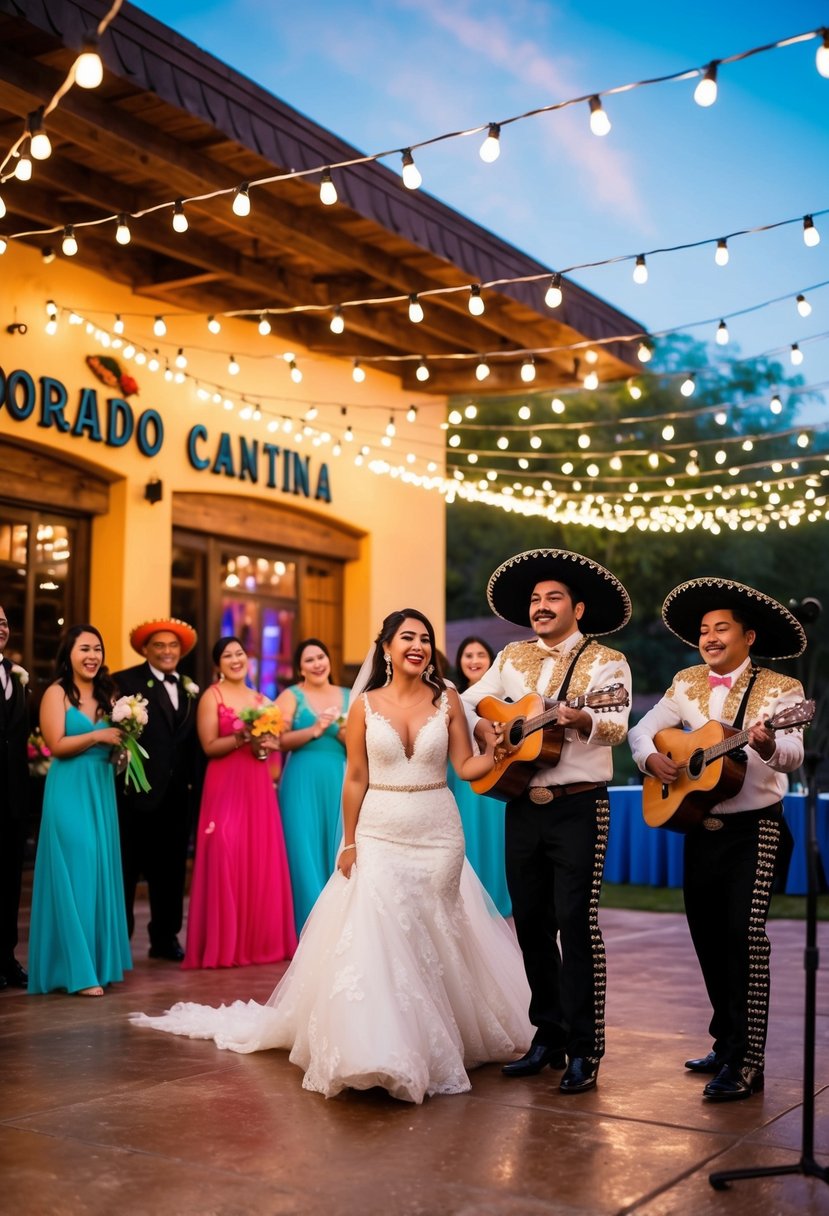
580,1075
731,1084
170,950
537,1057
708,1063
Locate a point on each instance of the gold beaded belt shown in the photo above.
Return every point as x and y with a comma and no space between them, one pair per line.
408,789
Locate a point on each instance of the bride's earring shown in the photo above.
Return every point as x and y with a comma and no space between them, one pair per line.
388,668
427,675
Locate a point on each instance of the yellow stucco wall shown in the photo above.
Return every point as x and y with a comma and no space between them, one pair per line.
403,550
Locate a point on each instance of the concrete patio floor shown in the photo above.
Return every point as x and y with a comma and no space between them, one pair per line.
98,1117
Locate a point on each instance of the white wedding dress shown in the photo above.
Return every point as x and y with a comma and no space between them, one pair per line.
405,975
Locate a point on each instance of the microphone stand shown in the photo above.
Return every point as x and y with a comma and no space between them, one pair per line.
807,1166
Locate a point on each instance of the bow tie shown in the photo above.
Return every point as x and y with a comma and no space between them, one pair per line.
554,651
169,678
717,681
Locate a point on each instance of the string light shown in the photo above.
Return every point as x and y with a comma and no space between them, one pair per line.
69,245
721,417
181,359
232,366
525,413
584,441
415,309
721,252
214,325
776,405
557,405
23,168
118,324
528,370
668,432
296,372
412,178
822,56
491,147
811,236
482,369
180,223
39,143
358,373
721,335
644,353
634,390
122,232
803,440
476,304
640,270
705,94
591,381
337,324
88,71
803,306
599,121
796,355
159,327
2,208
328,191
411,413
470,411
264,324
554,294
688,385
241,200
422,371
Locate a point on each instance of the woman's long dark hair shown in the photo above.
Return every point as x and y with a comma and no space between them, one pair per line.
103,686
221,646
461,682
389,628
297,659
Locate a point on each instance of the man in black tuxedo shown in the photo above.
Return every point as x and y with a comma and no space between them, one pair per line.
14,805
155,827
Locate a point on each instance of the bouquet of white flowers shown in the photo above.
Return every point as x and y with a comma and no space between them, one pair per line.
129,714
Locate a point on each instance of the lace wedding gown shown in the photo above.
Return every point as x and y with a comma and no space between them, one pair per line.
405,974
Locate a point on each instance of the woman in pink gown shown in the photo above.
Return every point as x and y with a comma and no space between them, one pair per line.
241,909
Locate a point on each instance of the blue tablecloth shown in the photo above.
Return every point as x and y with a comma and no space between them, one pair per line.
652,857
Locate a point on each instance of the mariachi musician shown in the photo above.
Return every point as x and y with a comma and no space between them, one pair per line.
732,855
556,829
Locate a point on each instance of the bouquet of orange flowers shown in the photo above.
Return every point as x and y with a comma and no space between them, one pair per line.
262,720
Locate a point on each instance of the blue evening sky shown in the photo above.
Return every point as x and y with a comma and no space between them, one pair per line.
386,73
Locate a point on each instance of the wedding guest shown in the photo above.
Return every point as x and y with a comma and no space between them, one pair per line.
404,977
482,817
241,910
312,780
14,804
155,825
78,939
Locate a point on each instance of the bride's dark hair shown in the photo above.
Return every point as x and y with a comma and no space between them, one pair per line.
389,628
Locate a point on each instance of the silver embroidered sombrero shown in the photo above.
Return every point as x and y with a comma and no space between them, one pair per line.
779,634
606,603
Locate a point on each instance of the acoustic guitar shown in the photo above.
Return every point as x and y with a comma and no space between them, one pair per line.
531,738
708,771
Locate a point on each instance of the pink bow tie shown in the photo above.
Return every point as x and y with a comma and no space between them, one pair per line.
716,681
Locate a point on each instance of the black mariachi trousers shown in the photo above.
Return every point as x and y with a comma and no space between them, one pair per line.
727,883
555,856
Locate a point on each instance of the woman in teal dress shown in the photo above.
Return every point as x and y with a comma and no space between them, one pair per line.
78,939
482,817
311,785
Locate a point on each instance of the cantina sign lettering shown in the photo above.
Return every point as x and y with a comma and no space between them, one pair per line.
115,424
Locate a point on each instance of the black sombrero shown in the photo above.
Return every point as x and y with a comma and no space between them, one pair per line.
606,603
779,634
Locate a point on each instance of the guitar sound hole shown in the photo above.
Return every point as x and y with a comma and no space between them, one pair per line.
516,733
696,763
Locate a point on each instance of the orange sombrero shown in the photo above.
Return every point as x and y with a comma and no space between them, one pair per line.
185,633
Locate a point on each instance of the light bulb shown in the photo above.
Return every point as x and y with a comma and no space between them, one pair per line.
584,441
358,374
554,294
391,429
721,417
599,121
557,405
415,309
796,355
118,324
241,200
23,168
705,94
328,191
455,418
822,56
653,460
535,442
476,304
687,386
69,245
722,334
181,359
422,371
122,233
811,236
803,440
159,327
776,405
52,326
4,244
2,208
591,356
528,371
591,381
644,353
337,324
634,390
803,306
525,413
233,366
88,70
640,270
720,456
411,174
491,147
214,325
721,253
264,324
39,143
482,370
668,432
615,463
296,373
411,413
153,364
180,223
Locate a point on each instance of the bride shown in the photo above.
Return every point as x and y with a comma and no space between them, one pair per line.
405,975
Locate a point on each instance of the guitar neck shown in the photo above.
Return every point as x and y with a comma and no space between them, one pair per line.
731,744
549,716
